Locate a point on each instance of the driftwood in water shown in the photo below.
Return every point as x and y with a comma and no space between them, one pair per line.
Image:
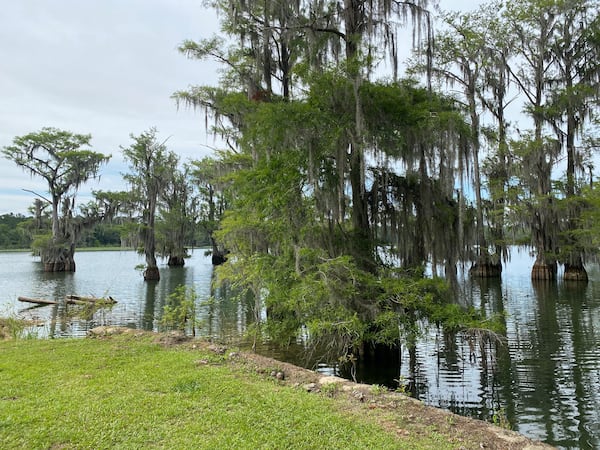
80,299
70,299
38,301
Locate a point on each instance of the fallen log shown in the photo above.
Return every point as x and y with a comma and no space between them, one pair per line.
70,299
38,301
44,302
80,299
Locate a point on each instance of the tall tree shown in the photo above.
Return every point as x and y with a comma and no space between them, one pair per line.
360,28
459,60
64,161
556,72
574,88
151,168
534,22
310,34
177,211
207,175
326,182
496,99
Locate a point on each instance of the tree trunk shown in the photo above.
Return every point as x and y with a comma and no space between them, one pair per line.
486,268
151,274
575,271
176,261
55,222
543,270
218,255
58,259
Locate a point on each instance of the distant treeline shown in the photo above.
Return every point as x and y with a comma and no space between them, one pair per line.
18,232
13,231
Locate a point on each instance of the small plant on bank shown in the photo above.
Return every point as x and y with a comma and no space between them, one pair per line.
378,389
179,313
500,419
451,419
11,328
330,389
402,386
350,359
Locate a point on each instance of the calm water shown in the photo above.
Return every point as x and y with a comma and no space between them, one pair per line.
545,380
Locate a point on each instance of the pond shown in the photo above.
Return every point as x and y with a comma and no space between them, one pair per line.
544,381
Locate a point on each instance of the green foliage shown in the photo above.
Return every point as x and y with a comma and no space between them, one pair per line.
378,389
14,231
179,311
41,242
331,389
292,246
337,307
12,327
102,235
399,115
19,232
587,234
500,419
12,220
57,156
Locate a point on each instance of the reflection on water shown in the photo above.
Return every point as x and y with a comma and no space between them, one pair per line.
544,380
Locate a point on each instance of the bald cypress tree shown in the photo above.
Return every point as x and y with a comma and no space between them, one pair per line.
65,161
152,168
340,187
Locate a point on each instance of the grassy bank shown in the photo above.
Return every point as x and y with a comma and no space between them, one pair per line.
130,391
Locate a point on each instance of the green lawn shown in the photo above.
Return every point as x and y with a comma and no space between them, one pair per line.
128,392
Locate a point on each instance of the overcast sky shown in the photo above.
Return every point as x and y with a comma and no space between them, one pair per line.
103,67
107,68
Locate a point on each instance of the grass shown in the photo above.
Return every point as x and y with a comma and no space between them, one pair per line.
128,392
12,327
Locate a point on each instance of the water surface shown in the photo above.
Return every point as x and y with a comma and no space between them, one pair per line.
99,273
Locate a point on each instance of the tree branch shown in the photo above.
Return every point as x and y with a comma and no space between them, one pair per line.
38,195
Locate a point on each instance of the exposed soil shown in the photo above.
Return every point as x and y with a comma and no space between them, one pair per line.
397,412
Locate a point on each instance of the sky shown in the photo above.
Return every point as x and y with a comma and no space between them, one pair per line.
106,68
